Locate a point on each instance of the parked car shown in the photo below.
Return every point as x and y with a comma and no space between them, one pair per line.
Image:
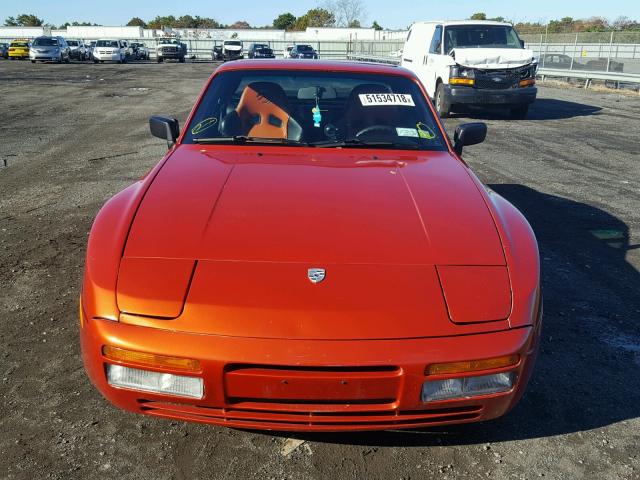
49,49
128,50
471,62
109,50
232,50
19,49
287,51
260,50
558,60
602,64
283,270
303,51
76,49
89,49
4,50
217,55
171,48
140,51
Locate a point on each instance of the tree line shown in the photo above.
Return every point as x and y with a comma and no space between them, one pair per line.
332,13
568,24
342,13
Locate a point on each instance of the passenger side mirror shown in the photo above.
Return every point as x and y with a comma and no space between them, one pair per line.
165,128
522,43
469,134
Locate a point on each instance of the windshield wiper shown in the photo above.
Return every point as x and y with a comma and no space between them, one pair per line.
357,143
242,139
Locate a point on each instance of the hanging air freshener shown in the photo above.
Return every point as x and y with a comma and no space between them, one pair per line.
317,115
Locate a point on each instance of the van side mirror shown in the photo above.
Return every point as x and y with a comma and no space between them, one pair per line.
522,43
469,134
166,128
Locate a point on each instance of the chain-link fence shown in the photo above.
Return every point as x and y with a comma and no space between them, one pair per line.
590,51
201,49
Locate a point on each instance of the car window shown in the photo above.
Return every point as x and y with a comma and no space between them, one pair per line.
19,44
436,41
316,109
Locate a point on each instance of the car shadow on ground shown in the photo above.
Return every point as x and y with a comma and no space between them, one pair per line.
541,109
588,374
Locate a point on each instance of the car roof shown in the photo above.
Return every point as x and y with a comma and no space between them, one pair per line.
319,65
463,22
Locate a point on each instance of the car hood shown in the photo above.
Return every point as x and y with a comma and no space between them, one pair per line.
244,228
233,48
492,57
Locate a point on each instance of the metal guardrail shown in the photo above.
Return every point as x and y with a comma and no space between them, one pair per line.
589,76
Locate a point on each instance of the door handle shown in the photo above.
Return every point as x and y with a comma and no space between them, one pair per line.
408,60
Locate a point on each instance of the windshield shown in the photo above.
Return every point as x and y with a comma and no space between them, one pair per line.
304,48
318,109
171,42
19,44
260,46
234,43
107,43
45,42
480,36
72,43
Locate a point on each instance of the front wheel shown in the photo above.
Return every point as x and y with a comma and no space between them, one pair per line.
519,112
95,61
182,60
66,60
160,59
443,107
33,61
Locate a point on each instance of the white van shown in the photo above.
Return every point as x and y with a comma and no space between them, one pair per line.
471,62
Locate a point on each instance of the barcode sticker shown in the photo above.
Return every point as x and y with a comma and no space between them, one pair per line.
377,99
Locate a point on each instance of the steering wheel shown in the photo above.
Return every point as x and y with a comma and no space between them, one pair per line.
385,129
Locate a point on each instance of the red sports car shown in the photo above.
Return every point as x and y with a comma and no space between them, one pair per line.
311,254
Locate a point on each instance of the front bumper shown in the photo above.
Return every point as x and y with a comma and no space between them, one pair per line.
481,96
107,57
234,400
171,55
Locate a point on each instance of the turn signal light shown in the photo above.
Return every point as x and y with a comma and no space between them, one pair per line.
472,365
150,359
461,81
527,82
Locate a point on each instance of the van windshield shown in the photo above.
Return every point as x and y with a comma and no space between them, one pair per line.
107,43
45,42
480,36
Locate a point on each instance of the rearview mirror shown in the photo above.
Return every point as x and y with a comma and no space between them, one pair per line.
469,134
166,128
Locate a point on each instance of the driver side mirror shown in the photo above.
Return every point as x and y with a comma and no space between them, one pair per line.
166,128
469,134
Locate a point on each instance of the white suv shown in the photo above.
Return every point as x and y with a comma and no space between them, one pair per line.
109,51
471,63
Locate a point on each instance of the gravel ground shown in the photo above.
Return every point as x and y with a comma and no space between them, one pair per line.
74,135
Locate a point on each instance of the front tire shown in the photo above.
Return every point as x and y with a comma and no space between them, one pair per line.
33,61
182,60
160,59
443,107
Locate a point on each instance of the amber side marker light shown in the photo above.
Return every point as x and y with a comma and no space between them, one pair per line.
150,359
461,81
527,82
472,365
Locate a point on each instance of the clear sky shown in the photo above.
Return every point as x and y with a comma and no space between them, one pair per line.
389,13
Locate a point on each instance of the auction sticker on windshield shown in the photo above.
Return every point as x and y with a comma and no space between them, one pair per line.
376,99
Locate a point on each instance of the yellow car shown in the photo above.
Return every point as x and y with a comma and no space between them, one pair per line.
19,49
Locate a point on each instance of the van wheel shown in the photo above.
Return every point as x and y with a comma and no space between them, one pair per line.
442,105
520,112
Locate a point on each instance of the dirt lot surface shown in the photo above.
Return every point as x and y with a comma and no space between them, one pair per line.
74,135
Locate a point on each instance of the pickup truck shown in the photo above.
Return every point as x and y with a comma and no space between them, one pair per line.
171,48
